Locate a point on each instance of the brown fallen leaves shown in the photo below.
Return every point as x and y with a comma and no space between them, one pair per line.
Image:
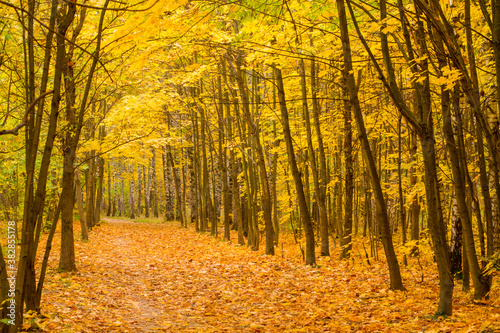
144,277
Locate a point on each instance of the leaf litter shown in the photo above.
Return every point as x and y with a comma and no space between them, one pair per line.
151,277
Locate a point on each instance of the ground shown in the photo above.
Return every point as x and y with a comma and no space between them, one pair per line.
158,277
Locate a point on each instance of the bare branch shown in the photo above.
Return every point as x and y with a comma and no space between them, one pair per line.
16,129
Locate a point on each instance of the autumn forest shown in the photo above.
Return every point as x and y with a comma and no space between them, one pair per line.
249,166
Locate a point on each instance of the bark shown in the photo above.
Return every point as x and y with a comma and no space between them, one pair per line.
249,204
123,206
67,257
299,187
34,201
261,160
415,205
147,189
346,236
396,282
110,199
177,184
115,195
325,247
45,260
139,190
90,190
132,192
237,216
79,203
197,173
458,168
323,176
402,208
235,164
223,158
100,180
274,180
154,184
170,213
426,133
205,182
456,241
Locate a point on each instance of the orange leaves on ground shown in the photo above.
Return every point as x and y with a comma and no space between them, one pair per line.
145,277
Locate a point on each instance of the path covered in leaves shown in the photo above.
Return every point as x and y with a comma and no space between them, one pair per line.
146,277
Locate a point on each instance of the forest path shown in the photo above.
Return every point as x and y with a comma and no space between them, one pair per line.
151,277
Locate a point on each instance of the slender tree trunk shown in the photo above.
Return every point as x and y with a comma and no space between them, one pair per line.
223,158
481,284
261,161
415,205
79,203
131,185
100,181
99,190
396,282
110,199
304,211
346,237
90,197
177,184
154,184
147,189
205,182
456,241
402,208
139,190
48,248
115,192
274,188
323,177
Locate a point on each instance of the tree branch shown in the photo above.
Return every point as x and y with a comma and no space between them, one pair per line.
16,129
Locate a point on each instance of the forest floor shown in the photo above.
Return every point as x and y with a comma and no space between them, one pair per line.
158,277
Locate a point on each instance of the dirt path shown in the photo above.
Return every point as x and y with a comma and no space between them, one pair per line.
146,277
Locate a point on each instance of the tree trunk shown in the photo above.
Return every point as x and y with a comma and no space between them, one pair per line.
154,183
323,177
304,211
402,208
115,194
67,256
90,197
346,237
205,182
415,205
177,184
110,199
456,241
100,181
223,157
147,187
139,190
79,203
383,219
131,185
261,160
